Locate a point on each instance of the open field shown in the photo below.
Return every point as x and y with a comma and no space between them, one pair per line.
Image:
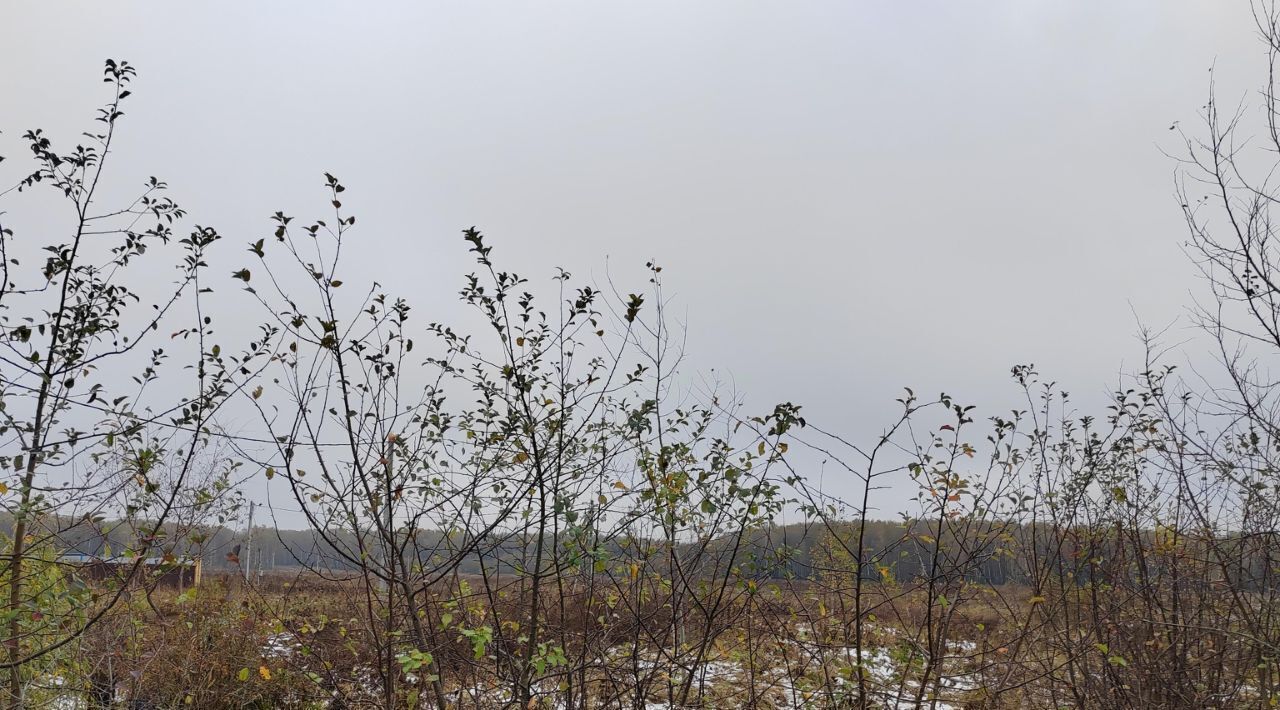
256,454
294,642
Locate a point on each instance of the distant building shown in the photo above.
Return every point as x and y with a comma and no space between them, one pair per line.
180,573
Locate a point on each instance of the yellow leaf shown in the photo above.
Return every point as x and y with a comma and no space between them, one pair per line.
620,485
4,488
271,473
521,457
520,342
1037,600
782,447
761,448
264,672
257,391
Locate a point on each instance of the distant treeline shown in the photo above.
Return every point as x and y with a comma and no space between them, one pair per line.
890,549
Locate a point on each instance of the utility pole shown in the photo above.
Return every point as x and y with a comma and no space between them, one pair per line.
388,537
387,511
389,560
246,563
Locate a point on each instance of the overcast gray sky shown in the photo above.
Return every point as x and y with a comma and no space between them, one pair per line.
848,197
